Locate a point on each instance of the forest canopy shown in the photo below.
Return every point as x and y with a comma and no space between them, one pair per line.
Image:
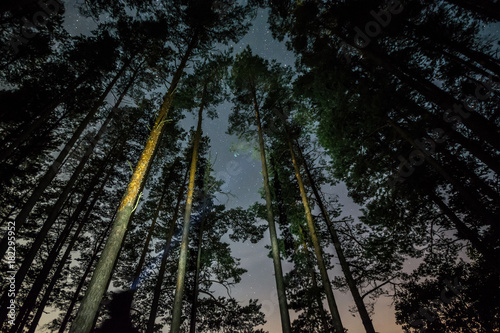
123,142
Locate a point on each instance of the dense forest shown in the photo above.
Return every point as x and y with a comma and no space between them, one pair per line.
114,217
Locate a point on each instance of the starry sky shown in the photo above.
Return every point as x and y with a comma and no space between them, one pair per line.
237,166
240,169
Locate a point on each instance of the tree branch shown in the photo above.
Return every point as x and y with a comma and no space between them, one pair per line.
376,287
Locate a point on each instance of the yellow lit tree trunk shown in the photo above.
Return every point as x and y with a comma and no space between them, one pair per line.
90,304
315,283
358,300
181,271
317,249
278,272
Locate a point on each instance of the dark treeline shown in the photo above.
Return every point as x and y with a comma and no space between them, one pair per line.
110,219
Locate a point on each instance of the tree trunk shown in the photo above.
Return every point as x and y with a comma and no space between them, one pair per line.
278,272
21,274
315,283
161,274
142,259
54,168
448,47
181,272
74,300
482,127
358,300
474,148
466,64
474,179
90,303
30,300
465,232
484,60
337,322
194,307
67,253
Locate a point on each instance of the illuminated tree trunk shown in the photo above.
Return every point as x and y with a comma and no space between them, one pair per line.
56,209
181,272
337,322
74,300
54,168
278,272
194,307
142,259
358,300
314,282
90,303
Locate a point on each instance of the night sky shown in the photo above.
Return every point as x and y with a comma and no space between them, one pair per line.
240,169
400,88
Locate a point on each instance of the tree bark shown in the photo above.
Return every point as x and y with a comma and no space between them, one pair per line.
315,284
67,253
142,259
23,270
194,307
54,168
337,322
90,303
161,274
181,272
358,300
278,272
30,300
74,300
